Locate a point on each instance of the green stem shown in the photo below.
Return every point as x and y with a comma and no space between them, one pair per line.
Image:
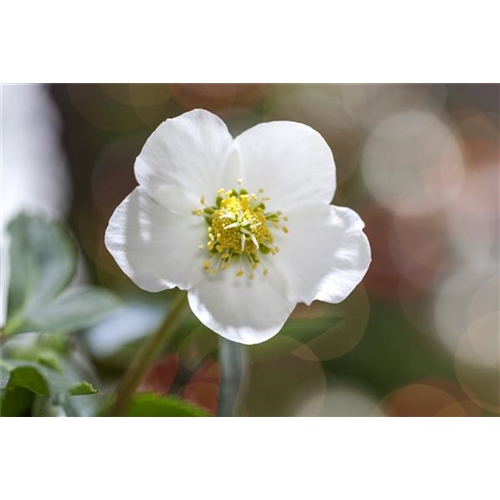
147,356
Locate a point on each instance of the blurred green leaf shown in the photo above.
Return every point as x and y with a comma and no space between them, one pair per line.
30,378
43,381
43,260
232,361
4,376
17,402
73,310
42,263
82,389
178,415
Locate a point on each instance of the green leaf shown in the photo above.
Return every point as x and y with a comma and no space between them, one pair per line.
17,402
30,378
44,381
178,415
42,263
42,260
82,389
232,360
73,310
4,376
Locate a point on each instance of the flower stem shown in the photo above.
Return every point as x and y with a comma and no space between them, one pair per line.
233,361
146,356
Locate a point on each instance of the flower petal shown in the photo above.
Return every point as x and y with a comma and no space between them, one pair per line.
155,248
190,153
325,253
240,309
290,161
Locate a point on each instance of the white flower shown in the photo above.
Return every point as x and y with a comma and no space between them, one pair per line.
245,225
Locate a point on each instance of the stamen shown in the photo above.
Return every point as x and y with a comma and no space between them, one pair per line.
233,222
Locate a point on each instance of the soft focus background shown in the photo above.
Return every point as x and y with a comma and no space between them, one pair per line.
418,337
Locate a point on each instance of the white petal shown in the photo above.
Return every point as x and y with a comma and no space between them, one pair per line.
290,161
324,255
155,248
192,154
240,309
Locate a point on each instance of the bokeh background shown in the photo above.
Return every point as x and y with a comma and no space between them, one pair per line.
420,163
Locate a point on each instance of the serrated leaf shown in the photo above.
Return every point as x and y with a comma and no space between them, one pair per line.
82,389
42,263
73,310
4,376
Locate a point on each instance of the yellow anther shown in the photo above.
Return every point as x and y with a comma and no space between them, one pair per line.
239,181
285,229
285,218
266,198
237,228
264,272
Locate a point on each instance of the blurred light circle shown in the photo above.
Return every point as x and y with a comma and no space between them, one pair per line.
215,97
480,132
321,107
421,400
343,399
148,100
369,104
412,163
101,110
474,217
197,346
345,335
113,174
482,340
419,248
279,381
486,300
137,94
453,313
395,273
477,370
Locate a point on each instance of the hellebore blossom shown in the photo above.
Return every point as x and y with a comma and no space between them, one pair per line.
244,225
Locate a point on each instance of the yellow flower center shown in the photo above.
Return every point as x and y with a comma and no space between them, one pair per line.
239,227
239,231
